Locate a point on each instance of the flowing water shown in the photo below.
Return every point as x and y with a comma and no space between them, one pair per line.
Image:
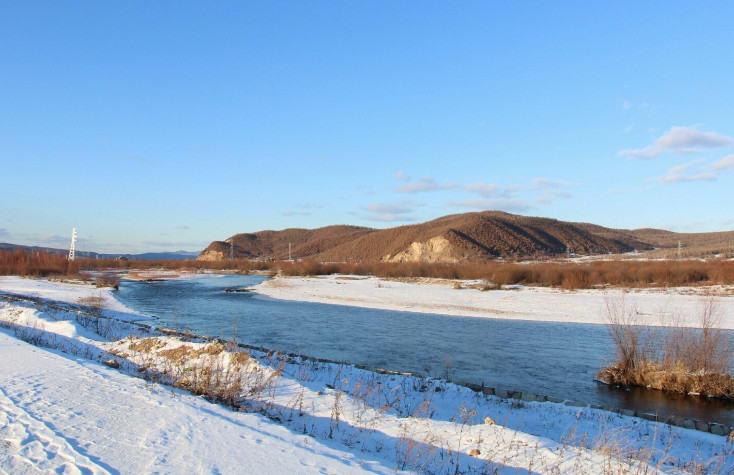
553,359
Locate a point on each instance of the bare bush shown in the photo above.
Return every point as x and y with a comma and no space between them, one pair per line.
674,357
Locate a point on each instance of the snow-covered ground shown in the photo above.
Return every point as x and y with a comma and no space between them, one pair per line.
653,306
63,411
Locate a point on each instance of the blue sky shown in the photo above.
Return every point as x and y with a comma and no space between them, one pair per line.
154,126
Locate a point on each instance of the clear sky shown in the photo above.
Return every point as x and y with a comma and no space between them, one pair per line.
153,126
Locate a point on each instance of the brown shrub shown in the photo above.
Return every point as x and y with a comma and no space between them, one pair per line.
672,358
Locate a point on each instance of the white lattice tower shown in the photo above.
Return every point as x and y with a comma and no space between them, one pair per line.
71,248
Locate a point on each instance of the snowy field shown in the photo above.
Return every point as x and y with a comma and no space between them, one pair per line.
63,410
654,306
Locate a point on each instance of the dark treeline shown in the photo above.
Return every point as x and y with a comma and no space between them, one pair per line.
569,275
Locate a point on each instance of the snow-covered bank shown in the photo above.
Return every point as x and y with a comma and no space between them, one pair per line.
67,411
61,413
71,294
654,306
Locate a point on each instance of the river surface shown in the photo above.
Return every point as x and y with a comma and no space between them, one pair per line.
553,359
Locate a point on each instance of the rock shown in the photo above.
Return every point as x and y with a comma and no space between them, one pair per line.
501,393
627,412
702,426
718,429
112,363
490,422
527,397
575,404
648,416
676,421
689,424
474,452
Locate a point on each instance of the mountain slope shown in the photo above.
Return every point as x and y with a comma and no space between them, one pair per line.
453,238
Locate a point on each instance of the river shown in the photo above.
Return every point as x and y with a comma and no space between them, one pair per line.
553,359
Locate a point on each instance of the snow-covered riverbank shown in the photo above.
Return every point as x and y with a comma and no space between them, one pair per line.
63,411
654,306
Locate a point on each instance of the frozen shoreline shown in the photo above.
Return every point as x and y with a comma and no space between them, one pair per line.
106,421
654,306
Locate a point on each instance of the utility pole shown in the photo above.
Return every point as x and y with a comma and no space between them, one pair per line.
679,254
231,249
72,252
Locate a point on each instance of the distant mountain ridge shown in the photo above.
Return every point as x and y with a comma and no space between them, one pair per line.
454,238
149,256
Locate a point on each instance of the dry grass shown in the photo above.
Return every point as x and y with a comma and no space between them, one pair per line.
671,358
561,274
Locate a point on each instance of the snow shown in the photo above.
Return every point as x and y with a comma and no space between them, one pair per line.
63,411
62,414
654,306
70,293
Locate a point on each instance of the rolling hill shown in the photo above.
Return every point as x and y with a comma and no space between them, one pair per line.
469,236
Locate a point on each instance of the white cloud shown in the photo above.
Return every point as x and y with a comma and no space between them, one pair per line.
557,194
626,105
680,173
726,164
425,184
678,141
401,176
387,208
389,212
546,183
487,190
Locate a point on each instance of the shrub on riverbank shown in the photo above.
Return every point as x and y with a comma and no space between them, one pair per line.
562,274
35,264
670,358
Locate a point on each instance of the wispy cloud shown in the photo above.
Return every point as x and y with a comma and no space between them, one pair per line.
401,176
4,234
389,212
487,190
425,184
679,141
548,184
680,173
303,209
182,227
726,164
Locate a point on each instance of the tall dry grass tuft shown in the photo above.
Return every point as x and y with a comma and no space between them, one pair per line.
673,357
